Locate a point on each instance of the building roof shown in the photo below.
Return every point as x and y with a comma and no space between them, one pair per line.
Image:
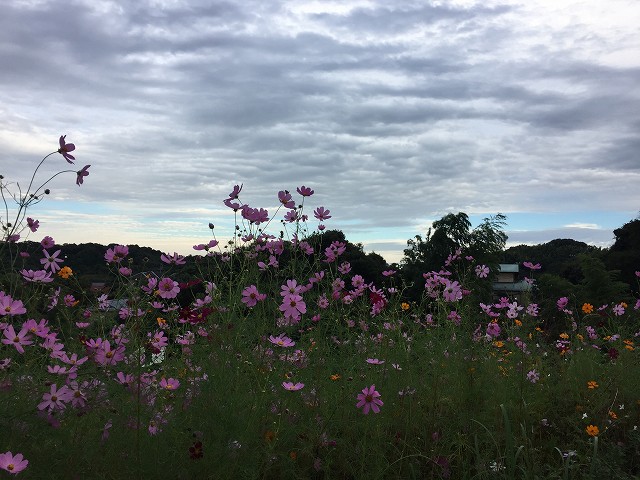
509,267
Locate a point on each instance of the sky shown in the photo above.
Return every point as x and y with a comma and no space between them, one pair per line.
395,113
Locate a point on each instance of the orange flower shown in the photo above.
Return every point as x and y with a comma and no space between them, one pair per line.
592,430
518,322
592,385
587,308
335,377
564,336
613,415
65,272
161,322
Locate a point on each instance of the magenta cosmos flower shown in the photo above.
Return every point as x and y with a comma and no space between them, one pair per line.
285,199
304,191
322,214
13,463
531,266
369,399
65,148
32,224
81,174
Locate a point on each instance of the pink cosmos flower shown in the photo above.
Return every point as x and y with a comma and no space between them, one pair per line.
531,266
374,361
389,273
169,384
292,306
32,224
81,174
41,329
158,340
292,387
562,303
13,463
618,310
344,268
231,204
11,307
13,238
369,399
47,242
51,261
37,276
322,214
452,291
19,339
174,259
236,191
304,191
202,246
493,329
65,148
482,271
285,199
104,355
290,288
251,296
291,216
56,398
255,215
168,288
281,341
116,254
125,271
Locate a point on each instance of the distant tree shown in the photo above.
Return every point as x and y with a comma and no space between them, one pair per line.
599,285
624,254
485,243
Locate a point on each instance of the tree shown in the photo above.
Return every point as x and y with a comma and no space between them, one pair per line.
624,254
485,243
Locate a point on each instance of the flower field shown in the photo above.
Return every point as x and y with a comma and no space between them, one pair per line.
268,357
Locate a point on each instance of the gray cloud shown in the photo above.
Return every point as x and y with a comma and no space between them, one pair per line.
393,113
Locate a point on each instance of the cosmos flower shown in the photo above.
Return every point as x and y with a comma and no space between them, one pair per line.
369,399
65,148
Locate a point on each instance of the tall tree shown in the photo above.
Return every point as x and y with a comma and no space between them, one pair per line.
453,231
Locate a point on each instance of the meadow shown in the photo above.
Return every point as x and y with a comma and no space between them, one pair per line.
277,361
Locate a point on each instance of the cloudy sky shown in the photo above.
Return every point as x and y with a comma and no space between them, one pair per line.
395,113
